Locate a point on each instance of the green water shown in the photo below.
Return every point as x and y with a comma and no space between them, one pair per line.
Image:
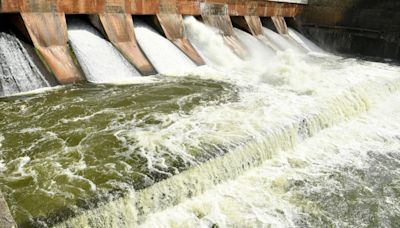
65,149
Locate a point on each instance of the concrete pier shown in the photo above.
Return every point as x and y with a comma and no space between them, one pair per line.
46,25
216,15
120,31
174,30
251,24
263,8
280,24
48,31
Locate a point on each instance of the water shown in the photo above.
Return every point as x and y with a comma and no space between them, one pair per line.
164,55
63,139
282,42
303,41
201,35
19,72
346,176
100,60
127,152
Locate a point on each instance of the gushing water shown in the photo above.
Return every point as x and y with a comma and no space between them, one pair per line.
281,41
164,55
210,44
303,41
129,152
99,59
18,71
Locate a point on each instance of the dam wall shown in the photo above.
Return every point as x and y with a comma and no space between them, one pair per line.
153,7
362,27
43,23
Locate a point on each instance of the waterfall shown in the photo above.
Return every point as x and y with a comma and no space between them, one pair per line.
164,55
281,41
210,44
303,41
18,70
99,59
259,52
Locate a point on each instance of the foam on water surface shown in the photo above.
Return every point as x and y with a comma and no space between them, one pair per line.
160,144
336,178
293,99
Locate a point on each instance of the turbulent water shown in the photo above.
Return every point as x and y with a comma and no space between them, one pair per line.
18,70
99,59
346,176
303,41
79,142
131,153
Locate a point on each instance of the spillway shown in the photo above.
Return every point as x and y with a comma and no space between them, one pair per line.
282,42
164,55
99,59
304,42
259,138
213,48
19,72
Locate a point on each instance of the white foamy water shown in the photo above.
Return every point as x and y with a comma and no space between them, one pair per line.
304,42
258,51
1,141
274,102
164,55
282,42
332,179
210,44
271,96
281,101
18,71
100,60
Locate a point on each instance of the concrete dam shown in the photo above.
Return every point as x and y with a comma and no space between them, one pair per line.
199,113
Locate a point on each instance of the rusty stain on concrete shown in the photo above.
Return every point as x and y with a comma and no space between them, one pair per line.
120,31
251,24
48,31
280,24
172,25
216,15
152,7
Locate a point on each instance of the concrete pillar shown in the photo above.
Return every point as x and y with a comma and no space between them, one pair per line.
119,28
216,15
251,24
172,24
280,24
6,220
48,31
